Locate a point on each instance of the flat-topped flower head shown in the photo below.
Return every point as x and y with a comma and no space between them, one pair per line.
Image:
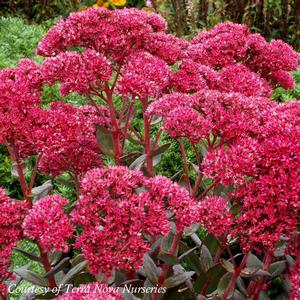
19,95
77,72
48,224
144,76
67,139
12,215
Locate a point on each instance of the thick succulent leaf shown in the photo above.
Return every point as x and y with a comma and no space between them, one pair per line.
138,163
31,277
168,258
151,270
59,267
105,140
253,261
42,190
227,265
278,267
178,279
74,272
223,284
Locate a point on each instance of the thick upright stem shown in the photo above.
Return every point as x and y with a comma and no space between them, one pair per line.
234,277
266,264
186,168
116,134
147,139
47,266
166,268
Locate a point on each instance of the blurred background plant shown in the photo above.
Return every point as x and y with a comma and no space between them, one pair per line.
271,18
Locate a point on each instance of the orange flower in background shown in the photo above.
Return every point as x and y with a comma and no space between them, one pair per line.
105,4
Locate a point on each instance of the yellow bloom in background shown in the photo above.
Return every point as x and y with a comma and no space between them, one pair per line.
118,2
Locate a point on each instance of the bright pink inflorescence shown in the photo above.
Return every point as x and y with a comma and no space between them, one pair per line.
92,291
48,224
266,171
77,72
214,215
144,76
12,214
119,208
66,139
229,44
19,94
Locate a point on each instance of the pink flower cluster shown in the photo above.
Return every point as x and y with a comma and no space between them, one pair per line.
215,216
192,77
144,76
115,218
116,34
228,44
12,214
66,139
119,208
77,72
92,291
48,224
226,115
265,169
19,94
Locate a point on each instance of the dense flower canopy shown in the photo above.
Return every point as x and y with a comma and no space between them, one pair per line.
12,215
66,138
240,152
47,223
19,95
116,216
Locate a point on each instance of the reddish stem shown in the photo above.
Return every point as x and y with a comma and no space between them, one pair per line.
47,266
116,133
147,139
166,268
197,184
186,168
34,173
127,124
266,264
235,276
207,190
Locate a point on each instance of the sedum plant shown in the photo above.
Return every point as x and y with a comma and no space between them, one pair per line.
227,229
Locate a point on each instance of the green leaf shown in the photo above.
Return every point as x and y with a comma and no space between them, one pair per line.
278,267
155,120
253,271
191,259
31,277
151,270
60,266
138,163
74,272
42,190
227,265
168,258
206,259
161,149
177,279
253,261
105,140
223,283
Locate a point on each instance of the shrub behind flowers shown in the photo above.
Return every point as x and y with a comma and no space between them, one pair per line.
226,228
